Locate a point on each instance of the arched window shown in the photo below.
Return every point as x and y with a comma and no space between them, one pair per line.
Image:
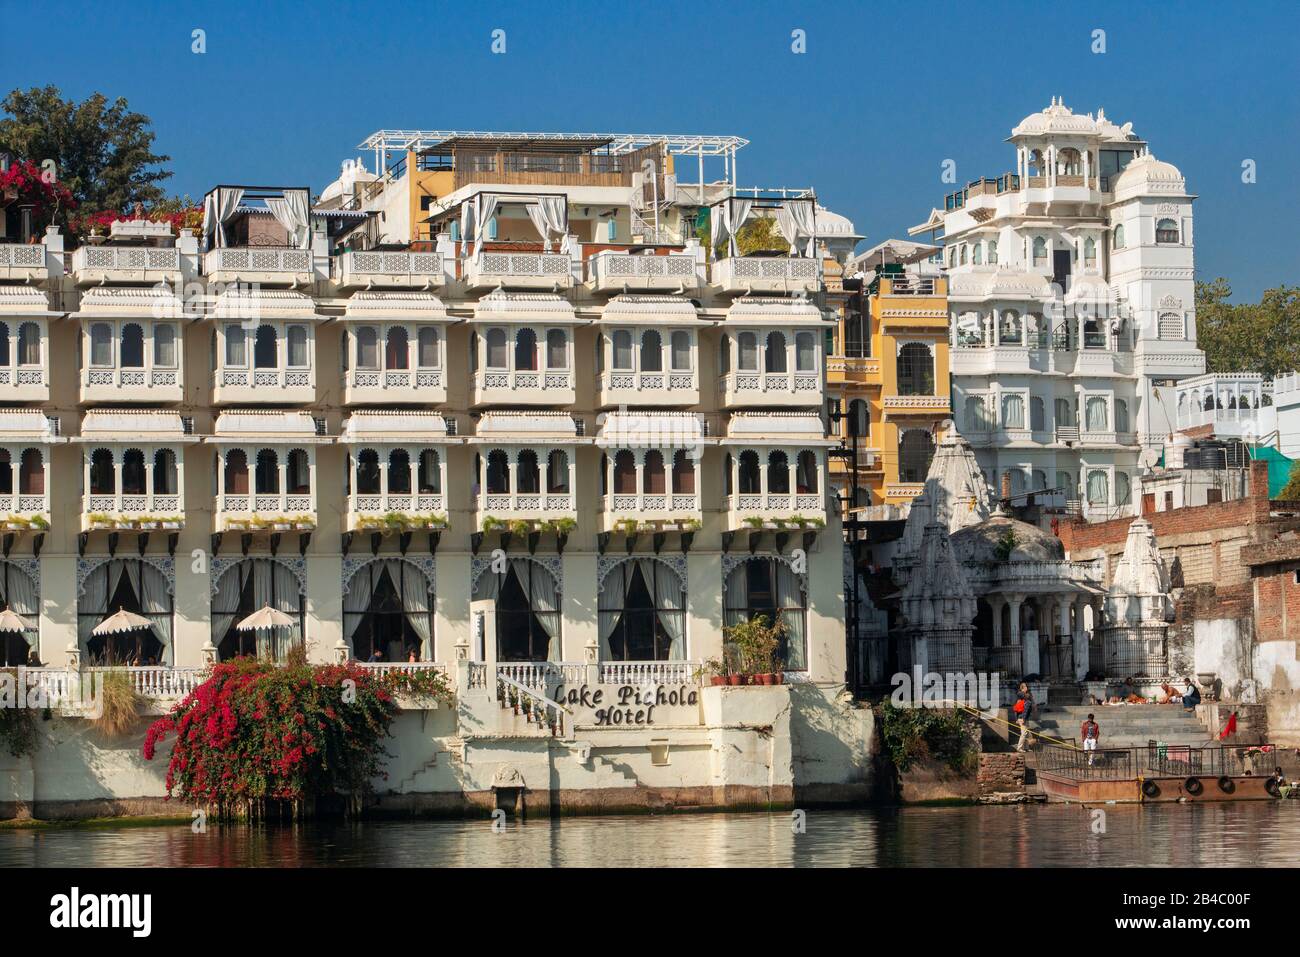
165,480
133,481
1013,411
31,473
915,452
750,484
1065,484
859,419
236,347
265,349
1010,331
557,472
915,370
778,473
430,477
387,612
622,350
267,477
805,352
1170,326
498,473
1040,251
652,473
993,252
683,473
296,338
769,588
29,345
681,351
557,349
528,479
164,345
641,614
1037,414
101,344
526,350
397,350
1121,415
103,480
1069,162
1061,410
977,254
1118,241
652,352
1096,414
430,355
244,588
368,472
133,585
4,344
624,473
976,414
1040,480
727,488
133,346
235,480
1123,489
298,473
21,596
1090,252
1037,165
748,352
496,349
1098,488
367,348
774,355
604,474
805,481
399,471
1166,231
527,610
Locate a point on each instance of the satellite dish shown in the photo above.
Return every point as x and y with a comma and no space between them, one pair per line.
1148,459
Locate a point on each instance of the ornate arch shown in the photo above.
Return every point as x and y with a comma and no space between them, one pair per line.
427,566
219,567
165,565
552,563
731,562
607,563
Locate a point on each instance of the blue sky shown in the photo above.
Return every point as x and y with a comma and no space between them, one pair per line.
884,94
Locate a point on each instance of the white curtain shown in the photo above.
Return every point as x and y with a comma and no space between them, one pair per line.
736,596
795,220
225,604
416,596
1096,414
734,214
357,601
485,209
610,607
261,572
548,216
154,602
668,604
287,600
21,597
543,599
467,222
488,586
290,211
218,207
93,601
789,594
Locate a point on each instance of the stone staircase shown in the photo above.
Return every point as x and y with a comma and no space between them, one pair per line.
1124,726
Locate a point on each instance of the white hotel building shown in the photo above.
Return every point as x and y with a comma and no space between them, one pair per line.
554,443
1072,311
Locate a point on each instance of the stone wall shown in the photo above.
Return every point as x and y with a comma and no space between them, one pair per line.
1001,774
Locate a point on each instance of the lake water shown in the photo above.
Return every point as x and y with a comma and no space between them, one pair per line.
1192,835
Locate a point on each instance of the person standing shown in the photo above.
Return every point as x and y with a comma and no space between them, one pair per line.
1024,708
1091,733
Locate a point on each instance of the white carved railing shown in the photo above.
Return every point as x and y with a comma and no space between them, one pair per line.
378,505
266,378
258,259
536,707
128,505
126,259
17,255
770,382
649,381
778,502
406,667
17,503
652,503
649,672
409,267
523,379
530,502
917,402
633,271
766,271
487,266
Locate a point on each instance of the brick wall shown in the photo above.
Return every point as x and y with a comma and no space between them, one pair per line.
1277,603
1001,772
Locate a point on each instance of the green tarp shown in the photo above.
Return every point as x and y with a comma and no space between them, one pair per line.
1279,467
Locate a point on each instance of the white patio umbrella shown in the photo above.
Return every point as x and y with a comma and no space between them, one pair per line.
11,621
265,619
121,621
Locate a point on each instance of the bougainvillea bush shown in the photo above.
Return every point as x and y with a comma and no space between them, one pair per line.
101,222
26,182
255,735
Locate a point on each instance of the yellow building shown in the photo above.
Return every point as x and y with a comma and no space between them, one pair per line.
890,376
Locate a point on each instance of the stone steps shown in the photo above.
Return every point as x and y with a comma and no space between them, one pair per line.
1125,726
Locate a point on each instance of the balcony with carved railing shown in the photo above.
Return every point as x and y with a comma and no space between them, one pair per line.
137,265
264,385
266,511
853,371
23,263
389,270
668,509
766,274
148,383
738,390
522,387
647,389
260,265
125,510
488,269
904,406
528,506
613,271
779,510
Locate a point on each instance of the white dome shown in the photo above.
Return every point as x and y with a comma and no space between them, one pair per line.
1146,171
1057,118
834,226
353,171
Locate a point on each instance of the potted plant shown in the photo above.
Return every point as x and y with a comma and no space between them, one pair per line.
714,669
304,523
493,524
148,521
281,523
171,522
396,521
437,520
40,522
628,526
755,523
519,526
756,642
99,520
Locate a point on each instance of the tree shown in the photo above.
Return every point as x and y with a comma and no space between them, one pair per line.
104,152
1261,337
1290,492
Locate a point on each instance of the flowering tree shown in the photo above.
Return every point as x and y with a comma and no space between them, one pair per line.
254,734
26,183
